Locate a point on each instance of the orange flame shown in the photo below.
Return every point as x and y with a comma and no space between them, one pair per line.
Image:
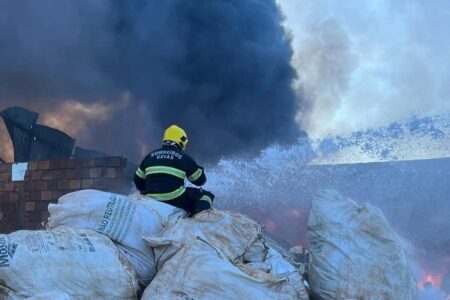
434,279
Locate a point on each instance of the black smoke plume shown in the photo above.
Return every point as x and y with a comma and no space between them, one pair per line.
220,68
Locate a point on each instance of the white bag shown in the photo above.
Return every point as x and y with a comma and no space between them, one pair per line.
234,234
126,220
78,263
275,264
278,266
200,271
205,258
354,254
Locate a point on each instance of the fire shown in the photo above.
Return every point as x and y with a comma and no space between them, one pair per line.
434,279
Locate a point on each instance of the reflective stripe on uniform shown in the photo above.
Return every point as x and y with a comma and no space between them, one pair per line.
168,196
196,175
140,173
166,170
207,199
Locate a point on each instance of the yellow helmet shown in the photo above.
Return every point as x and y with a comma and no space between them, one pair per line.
176,134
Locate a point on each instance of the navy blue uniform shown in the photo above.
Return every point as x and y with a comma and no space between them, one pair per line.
161,176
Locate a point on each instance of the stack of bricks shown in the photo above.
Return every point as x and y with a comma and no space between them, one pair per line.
9,199
23,204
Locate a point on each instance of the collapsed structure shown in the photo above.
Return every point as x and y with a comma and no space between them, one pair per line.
34,142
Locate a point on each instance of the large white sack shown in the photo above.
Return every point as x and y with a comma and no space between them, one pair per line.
165,211
200,271
278,266
354,254
234,234
79,263
275,264
237,241
126,220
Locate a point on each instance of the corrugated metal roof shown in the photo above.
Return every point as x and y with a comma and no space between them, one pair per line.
19,122
88,153
32,141
50,143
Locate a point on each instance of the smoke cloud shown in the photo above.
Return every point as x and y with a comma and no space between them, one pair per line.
221,69
364,65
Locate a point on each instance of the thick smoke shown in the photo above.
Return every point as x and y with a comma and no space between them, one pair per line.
367,64
221,69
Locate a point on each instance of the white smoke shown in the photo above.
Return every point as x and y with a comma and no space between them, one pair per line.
367,64
275,187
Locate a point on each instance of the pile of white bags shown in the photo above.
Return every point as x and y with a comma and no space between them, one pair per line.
78,263
218,255
354,254
126,220
94,248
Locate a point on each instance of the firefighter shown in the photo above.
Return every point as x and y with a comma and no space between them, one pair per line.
162,172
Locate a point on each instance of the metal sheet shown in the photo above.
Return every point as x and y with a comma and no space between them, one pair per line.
50,143
88,153
19,122
33,142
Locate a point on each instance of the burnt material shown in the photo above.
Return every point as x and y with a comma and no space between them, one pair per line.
88,153
32,141
19,123
49,143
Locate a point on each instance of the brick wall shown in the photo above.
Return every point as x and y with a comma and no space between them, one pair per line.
23,204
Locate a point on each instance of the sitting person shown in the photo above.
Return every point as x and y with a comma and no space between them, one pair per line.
162,172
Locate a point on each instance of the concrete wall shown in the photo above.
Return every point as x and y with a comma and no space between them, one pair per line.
23,204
